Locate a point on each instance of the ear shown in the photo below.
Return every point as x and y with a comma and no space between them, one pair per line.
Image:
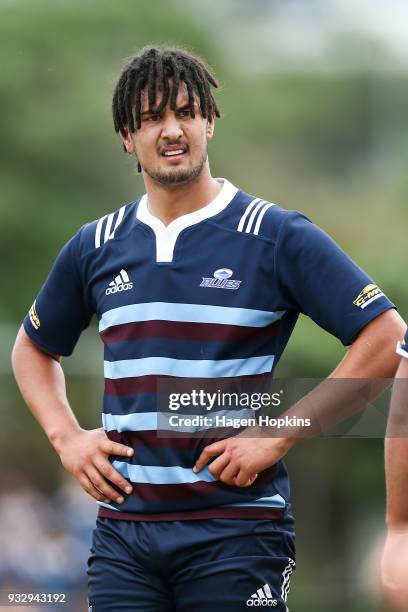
128,143
210,129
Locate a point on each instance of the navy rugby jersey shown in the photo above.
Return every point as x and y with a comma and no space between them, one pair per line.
402,347
215,294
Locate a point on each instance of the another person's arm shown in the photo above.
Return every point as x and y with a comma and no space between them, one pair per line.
396,450
395,555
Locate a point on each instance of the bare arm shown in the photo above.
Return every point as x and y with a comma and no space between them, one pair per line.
84,453
396,451
395,555
371,356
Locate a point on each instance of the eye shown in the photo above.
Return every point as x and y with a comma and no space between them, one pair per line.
152,118
186,112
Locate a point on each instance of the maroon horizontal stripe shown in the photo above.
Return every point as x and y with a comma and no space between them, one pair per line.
171,492
177,330
151,439
132,385
274,514
148,383
176,440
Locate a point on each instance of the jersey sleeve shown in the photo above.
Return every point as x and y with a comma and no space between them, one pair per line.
402,347
319,279
62,309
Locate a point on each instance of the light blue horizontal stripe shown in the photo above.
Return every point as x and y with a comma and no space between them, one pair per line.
143,421
169,421
152,474
107,506
276,501
190,368
188,313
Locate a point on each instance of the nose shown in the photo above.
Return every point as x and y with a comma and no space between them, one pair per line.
171,127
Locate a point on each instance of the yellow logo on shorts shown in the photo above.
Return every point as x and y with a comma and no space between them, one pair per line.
34,318
367,295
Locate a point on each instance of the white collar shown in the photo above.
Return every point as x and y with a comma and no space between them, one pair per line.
166,235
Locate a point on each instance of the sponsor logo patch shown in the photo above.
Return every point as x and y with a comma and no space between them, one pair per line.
369,294
34,318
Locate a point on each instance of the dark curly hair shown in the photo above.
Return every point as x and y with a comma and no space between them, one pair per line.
152,68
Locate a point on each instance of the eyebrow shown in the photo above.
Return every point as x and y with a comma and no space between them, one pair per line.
179,108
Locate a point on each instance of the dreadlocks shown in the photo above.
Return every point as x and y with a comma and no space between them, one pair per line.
152,68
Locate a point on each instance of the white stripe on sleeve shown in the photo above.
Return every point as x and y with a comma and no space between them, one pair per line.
98,232
108,227
246,213
253,215
260,217
118,220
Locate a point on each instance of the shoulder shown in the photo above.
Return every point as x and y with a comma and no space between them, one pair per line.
94,235
257,216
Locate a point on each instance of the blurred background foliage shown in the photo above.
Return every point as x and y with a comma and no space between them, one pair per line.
313,118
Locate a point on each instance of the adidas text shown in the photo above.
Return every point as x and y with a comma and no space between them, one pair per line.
118,288
262,603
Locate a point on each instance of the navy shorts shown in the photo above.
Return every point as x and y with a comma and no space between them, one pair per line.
208,565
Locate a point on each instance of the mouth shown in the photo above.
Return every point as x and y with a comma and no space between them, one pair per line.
174,152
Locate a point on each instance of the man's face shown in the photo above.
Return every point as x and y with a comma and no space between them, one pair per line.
171,146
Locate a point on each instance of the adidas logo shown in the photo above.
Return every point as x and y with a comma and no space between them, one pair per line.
121,283
263,598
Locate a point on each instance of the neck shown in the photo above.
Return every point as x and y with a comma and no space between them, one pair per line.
168,203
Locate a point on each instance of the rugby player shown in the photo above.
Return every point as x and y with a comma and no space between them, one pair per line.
195,279
395,556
